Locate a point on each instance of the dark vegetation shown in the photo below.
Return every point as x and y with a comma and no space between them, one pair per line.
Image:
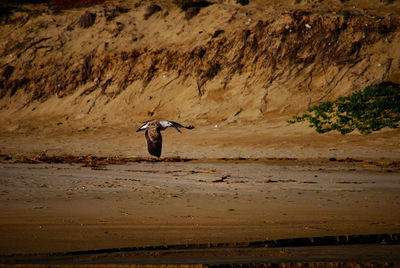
368,110
192,8
150,10
186,4
7,8
242,2
59,4
67,4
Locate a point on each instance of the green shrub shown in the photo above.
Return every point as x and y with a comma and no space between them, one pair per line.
368,110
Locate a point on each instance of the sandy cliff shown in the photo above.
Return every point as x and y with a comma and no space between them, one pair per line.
227,62
123,62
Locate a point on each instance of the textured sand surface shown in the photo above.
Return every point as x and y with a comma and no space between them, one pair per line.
61,207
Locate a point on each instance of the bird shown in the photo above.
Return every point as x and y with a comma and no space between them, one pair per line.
153,134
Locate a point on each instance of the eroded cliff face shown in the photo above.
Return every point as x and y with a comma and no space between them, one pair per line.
130,61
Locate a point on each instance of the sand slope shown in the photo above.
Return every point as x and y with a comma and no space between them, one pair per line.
229,63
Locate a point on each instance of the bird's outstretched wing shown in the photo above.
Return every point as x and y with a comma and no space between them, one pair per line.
142,127
154,142
177,126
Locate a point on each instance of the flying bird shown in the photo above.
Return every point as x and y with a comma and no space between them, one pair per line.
153,134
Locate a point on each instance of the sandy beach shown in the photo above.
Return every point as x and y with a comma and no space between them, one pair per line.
78,186
69,203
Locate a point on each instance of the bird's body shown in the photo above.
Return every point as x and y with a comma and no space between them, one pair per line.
153,134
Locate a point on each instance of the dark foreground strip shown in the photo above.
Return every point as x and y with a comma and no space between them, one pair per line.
379,250
391,239
250,265
293,242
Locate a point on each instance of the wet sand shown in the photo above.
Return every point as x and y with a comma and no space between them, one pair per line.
49,207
